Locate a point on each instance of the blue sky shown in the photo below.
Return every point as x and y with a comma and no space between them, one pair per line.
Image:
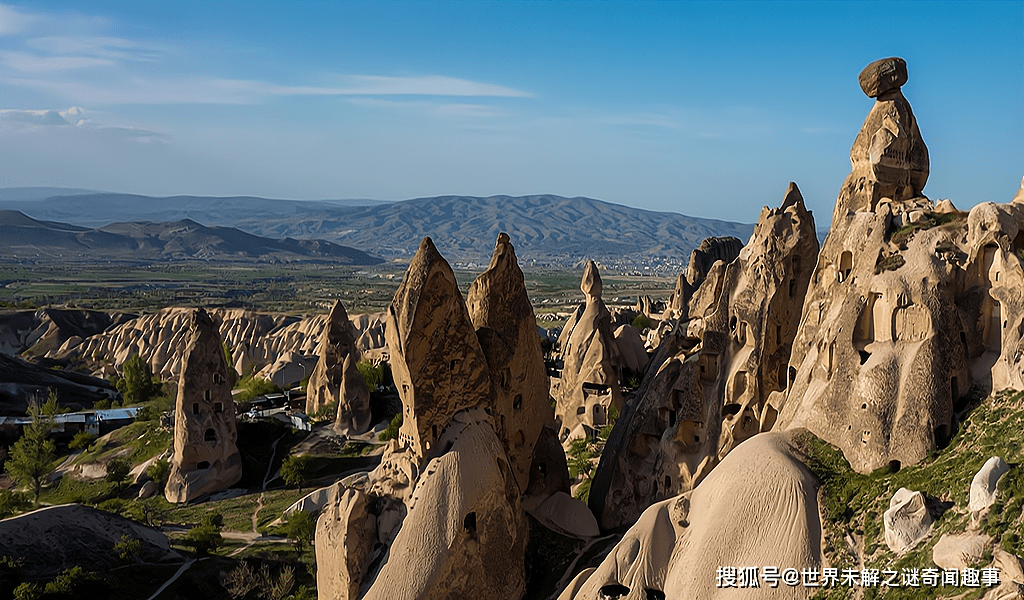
707,109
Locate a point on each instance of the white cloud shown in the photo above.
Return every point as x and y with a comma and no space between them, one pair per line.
72,119
13,21
29,63
95,46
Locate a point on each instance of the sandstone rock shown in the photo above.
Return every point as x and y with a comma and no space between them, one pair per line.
335,379
564,514
758,507
437,363
631,348
507,329
346,534
313,502
959,551
205,458
896,328
549,472
464,521
710,251
288,369
983,486
147,490
589,383
890,159
907,521
709,383
882,76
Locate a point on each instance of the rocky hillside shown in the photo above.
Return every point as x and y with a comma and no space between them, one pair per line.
547,228
22,236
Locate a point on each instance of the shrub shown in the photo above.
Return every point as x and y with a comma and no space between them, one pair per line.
12,502
128,548
642,322
117,471
203,539
159,472
373,376
392,430
137,383
82,440
253,386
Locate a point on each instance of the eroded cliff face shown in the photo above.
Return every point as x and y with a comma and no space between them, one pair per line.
205,457
911,303
710,379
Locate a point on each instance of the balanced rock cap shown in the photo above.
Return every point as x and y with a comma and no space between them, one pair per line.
883,75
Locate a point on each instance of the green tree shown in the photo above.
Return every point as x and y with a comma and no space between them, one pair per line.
295,470
159,472
300,527
117,471
391,432
136,384
82,439
204,539
128,549
31,457
372,376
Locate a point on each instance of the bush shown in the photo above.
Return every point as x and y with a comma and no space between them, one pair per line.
642,322
203,539
300,527
128,548
159,472
253,387
117,471
214,520
101,405
82,439
392,430
12,503
373,376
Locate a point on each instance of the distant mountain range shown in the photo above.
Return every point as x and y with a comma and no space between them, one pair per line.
545,228
24,237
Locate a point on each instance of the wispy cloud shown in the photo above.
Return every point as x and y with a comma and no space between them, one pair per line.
14,21
72,119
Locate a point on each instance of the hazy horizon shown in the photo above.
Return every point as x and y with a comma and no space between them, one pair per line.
704,109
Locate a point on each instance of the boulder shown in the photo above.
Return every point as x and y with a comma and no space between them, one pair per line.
564,514
147,490
907,521
960,551
983,486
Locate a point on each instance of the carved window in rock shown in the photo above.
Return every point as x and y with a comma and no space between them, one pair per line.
864,332
992,324
517,402
739,384
210,436
218,407
195,408
597,414
845,265
205,464
206,395
987,264
708,363
217,378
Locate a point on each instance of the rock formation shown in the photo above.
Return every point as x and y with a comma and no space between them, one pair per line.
908,307
336,380
710,251
758,507
589,383
205,458
709,382
442,510
907,520
256,340
507,329
983,486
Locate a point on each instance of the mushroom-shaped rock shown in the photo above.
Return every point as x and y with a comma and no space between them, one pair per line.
507,329
890,159
205,457
907,521
710,251
335,378
436,359
983,486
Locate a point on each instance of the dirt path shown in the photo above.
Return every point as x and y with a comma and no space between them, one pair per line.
255,513
173,578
